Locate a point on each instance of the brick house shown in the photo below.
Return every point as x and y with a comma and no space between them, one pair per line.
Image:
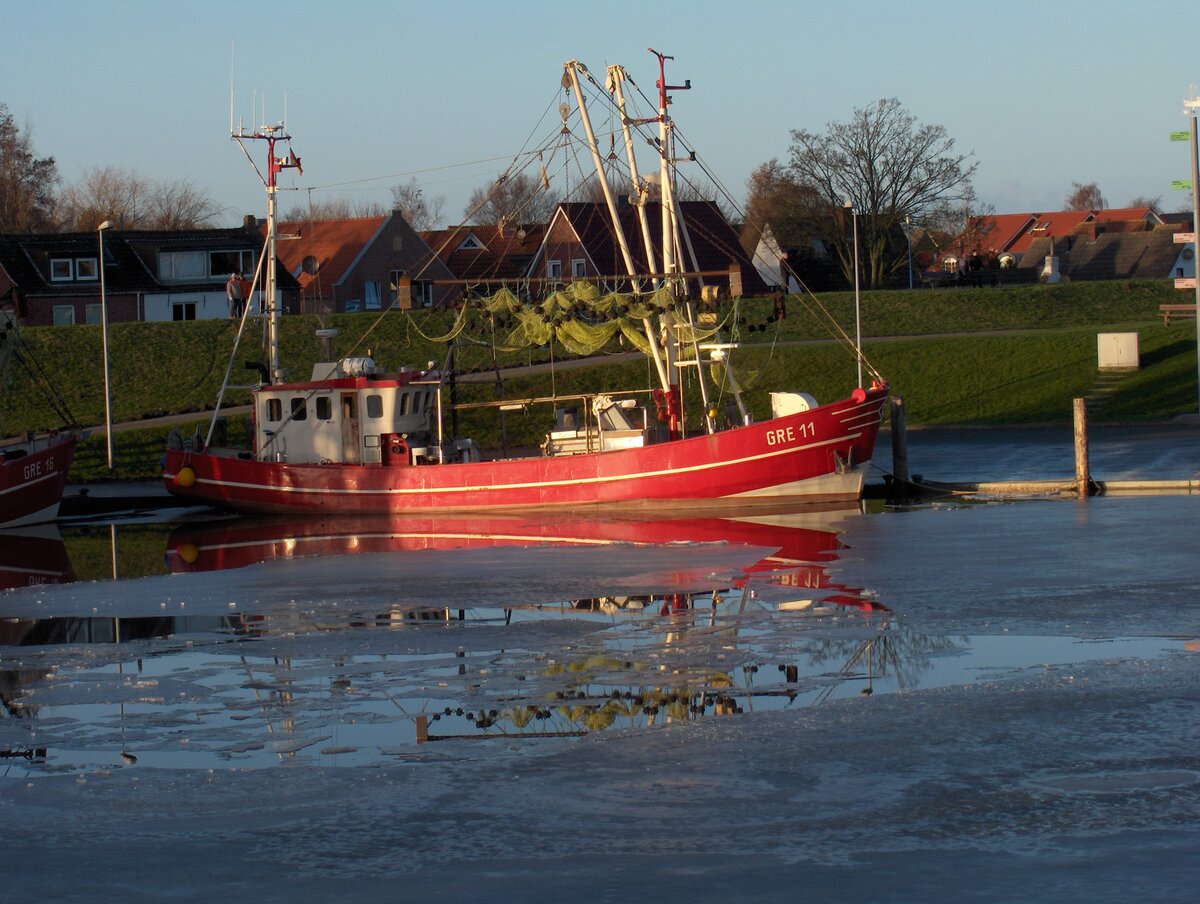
357,264
581,243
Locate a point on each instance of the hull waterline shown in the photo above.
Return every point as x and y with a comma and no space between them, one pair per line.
820,455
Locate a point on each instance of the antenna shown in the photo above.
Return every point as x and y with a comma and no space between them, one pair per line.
231,87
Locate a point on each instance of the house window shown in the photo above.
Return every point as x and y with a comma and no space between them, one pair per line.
299,410
553,269
64,314
93,313
578,269
274,411
61,270
353,305
371,293
471,243
375,406
950,265
222,263
422,293
183,310
324,408
85,268
183,265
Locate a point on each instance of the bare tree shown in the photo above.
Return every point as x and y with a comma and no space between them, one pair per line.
133,202
516,198
335,209
179,205
1154,203
420,211
774,198
27,182
889,167
1084,197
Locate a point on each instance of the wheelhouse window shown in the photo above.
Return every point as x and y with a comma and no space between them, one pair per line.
375,406
299,410
274,410
324,408
62,269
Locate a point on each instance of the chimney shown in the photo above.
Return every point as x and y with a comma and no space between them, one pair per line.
250,222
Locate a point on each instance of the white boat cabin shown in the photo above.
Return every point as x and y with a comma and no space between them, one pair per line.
347,414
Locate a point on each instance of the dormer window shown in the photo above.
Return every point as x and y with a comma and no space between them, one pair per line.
471,243
62,269
85,269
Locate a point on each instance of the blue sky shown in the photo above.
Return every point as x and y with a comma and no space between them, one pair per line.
1043,93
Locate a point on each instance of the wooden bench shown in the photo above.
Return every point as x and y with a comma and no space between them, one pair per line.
1177,311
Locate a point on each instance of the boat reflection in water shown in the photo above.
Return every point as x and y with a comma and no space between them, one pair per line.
791,546
33,556
317,639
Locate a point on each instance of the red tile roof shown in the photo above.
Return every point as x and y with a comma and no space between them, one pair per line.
491,252
332,245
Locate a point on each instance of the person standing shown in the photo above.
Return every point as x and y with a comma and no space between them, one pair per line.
233,291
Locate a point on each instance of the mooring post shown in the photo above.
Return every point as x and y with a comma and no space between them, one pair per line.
1083,477
899,440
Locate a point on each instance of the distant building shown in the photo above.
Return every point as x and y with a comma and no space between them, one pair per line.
148,275
358,264
581,243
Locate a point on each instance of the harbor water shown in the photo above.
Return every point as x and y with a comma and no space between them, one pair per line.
966,699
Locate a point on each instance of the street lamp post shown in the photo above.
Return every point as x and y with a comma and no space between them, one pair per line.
1192,106
857,306
104,341
908,237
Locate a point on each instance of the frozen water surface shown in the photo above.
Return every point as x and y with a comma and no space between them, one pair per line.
984,702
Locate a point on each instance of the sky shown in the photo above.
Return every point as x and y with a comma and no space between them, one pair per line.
447,91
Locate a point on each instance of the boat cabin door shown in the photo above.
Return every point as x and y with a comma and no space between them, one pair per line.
351,432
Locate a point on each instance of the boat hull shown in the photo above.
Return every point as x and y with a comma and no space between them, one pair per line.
32,480
820,455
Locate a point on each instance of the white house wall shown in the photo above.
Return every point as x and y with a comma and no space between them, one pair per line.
209,305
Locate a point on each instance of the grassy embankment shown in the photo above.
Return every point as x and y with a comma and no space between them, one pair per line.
985,377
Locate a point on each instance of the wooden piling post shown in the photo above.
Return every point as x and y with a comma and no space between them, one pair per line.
1083,477
899,440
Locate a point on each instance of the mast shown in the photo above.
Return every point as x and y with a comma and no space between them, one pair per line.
571,75
275,165
616,77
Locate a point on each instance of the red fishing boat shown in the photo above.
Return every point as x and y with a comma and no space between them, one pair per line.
351,440
33,476
33,468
